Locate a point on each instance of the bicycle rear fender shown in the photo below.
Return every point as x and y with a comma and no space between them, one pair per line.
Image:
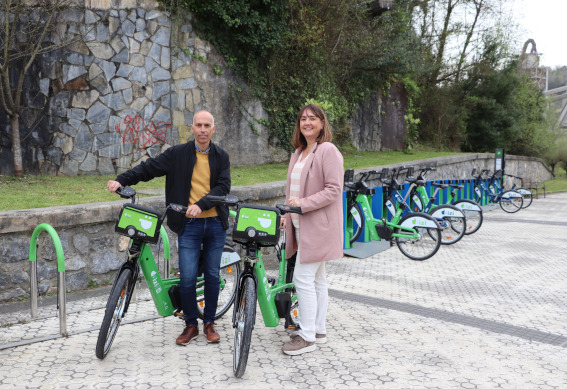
420,220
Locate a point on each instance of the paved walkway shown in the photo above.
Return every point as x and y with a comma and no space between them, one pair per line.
488,312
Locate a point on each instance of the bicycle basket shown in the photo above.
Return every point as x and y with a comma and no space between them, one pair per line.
257,224
138,222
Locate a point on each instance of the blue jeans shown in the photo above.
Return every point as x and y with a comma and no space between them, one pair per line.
209,233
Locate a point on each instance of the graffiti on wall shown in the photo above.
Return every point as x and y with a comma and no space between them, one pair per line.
140,134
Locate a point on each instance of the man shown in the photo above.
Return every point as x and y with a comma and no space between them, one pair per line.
193,170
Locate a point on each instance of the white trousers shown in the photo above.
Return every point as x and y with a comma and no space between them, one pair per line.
313,297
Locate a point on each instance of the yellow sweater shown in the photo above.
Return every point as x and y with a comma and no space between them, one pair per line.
201,183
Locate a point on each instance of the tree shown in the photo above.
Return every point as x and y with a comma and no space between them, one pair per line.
27,30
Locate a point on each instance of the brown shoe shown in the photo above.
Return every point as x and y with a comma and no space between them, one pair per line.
211,333
298,346
188,333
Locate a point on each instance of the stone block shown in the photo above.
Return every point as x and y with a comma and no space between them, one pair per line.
105,166
98,113
102,33
94,71
84,99
117,44
124,70
14,248
160,74
120,83
137,60
162,36
84,139
101,50
78,154
77,280
160,89
140,75
108,67
88,164
128,28
91,17
141,36
69,167
122,57
100,83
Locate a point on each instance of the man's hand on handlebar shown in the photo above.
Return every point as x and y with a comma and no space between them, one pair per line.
113,186
193,211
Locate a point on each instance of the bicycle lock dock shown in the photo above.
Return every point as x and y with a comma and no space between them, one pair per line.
61,286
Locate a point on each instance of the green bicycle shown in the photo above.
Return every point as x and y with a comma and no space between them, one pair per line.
256,227
144,226
417,235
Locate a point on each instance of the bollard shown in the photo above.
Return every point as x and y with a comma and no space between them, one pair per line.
61,288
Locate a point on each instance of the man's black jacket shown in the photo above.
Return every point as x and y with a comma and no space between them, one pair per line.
177,163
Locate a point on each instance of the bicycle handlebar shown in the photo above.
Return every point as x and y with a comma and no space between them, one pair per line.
232,200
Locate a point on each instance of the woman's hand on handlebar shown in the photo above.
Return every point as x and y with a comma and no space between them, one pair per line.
294,202
113,186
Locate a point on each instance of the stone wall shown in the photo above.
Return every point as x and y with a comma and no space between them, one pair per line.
128,87
93,251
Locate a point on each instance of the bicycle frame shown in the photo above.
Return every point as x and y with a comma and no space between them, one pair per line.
396,212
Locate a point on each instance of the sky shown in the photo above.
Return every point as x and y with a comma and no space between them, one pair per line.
544,21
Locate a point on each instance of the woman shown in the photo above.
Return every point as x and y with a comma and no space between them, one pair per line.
314,183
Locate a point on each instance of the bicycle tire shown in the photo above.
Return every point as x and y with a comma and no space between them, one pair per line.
426,245
227,294
474,217
294,315
355,219
527,195
511,201
114,313
245,318
453,227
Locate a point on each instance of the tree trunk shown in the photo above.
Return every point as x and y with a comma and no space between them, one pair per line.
16,146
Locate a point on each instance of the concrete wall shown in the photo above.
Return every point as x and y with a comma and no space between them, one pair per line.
93,251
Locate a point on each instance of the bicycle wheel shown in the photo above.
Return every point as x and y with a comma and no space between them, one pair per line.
452,222
114,313
293,313
245,318
473,214
426,244
527,195
511,201
227,293
355,222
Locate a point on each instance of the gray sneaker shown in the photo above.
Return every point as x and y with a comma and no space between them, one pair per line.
298,346
319,338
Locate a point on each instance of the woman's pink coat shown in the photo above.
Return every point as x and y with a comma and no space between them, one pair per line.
321,225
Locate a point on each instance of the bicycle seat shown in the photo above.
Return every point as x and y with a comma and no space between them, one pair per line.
456,186
439,185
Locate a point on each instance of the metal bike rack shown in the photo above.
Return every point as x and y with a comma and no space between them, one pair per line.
61,288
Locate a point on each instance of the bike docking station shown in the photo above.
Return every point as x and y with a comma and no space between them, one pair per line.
383,207
364,246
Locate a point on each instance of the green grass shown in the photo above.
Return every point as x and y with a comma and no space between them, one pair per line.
42,191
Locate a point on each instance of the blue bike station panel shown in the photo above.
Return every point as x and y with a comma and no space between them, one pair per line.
379,208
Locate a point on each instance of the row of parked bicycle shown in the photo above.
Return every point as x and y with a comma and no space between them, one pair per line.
417,222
